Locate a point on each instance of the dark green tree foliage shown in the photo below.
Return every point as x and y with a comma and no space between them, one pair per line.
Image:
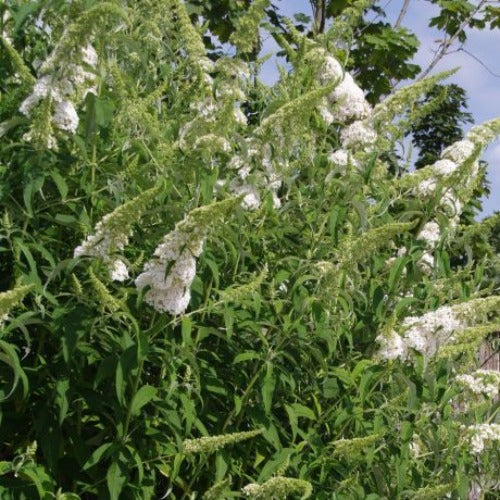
382,55
221,16
443,126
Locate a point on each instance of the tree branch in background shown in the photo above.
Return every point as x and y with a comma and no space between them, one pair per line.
402,14
319,13
461,49
445,44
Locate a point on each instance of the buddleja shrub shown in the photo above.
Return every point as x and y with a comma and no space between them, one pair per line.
214,288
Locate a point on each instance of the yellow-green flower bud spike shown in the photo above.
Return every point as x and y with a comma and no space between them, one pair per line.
77,32
484,133
76,285
31,450
245,35
283,43
432,492
296,36
479,229
12,298
467,341
210,444
298,107
242,292
478,308
352,447
41,130
206,215
415,115
357,249
343,26
283,468
279,487
396,103
104,296
17,62
192,41
348,482
216,492
112,231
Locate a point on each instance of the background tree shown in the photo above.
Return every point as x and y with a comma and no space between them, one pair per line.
443,126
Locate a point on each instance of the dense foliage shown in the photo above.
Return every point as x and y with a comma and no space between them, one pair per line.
214,288
443,127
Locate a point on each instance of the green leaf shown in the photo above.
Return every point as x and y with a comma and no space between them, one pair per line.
396,272
9,356
32,474
97,455
142,397
303,411
61,184
30,188
268,388
116,480
246,356
186,329
279,459
293,420
103,111
65,219
127,362
5,467
330,388
62,388
10,124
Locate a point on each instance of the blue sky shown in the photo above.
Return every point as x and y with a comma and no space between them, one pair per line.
483,88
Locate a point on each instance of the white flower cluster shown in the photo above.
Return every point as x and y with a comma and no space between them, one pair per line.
5,18
346,105
451,203
459,151
426,263
62,90
118,271
481,434
251,200
430,233
415,448
486,382
341,158
424,334
451,158
203,130
252,490
350,101
392,346
264,175
169,276
206,66
330,69
103,241
347,101
444,167
212,143
357,134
